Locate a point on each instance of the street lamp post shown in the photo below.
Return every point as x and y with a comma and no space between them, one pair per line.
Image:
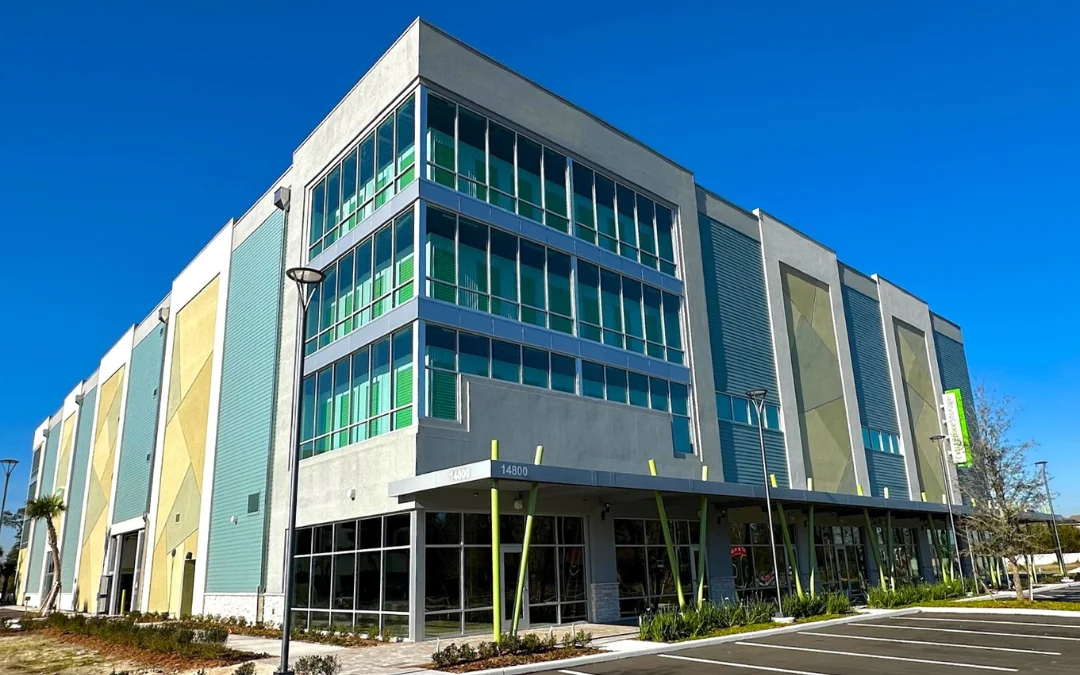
306,280
1053,517
939,441
758,397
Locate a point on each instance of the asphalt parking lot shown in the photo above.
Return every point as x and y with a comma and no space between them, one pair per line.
1067,594
927,644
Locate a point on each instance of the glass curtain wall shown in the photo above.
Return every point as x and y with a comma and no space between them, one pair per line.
363,395
741,410
458,571
752,561
480,267
644,573
363,284
486,160
354,574
841,559
905,553
382,164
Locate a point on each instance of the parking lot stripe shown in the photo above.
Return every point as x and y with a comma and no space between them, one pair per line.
572,672
1010,623
878,656
738,665
932,644
971,632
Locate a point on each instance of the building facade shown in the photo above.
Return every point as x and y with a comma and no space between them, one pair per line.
500,265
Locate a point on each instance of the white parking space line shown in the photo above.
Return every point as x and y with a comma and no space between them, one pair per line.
711,662
971,632
878,656
572,672
1010,623
931,644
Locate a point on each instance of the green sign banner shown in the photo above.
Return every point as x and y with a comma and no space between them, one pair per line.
956,424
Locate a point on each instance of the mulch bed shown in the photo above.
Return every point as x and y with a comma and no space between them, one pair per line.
151,658
506,661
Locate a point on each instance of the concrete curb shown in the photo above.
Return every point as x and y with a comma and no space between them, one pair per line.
1002,611
681,646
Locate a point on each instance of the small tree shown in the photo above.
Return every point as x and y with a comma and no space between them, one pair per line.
7,571
48,508
1002,483
14,520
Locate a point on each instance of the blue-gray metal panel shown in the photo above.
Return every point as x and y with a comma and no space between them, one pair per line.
742,454
952,364
246,416
45,487
140,427
873,386
887,471
80,460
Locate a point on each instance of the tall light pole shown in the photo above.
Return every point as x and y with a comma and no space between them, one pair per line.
939,440
758,397
1053,516
307,281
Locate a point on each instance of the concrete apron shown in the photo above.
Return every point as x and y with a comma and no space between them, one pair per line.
654,648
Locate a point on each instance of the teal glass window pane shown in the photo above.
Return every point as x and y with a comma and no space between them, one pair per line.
588,296
772,417
341,403
474,355
555,182
473,264
654,331
505,361
534,367
311,330
380,377
384,253
406,134
740,410
639,390
329,303
583,196
646,234
866,438
532,276
658,394
504,283
592,379
348,183
318,211
558,267
364,281
472,152
442,393
610,285
563,373
632,314
680,405
442,253
366,180
441,114
528,178
671,321
440,347
605,207
627,226
324,401
384,154
346,292
664,241
403,368
875,440
333,199
501,165
723,407
403,249
616,384
361,386
308,408
680,435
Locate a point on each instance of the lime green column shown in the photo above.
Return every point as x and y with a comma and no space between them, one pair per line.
672,558
890,550
523,566
813,551
789,551
701,543
872,535
496,554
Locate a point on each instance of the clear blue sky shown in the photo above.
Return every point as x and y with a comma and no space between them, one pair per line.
936,146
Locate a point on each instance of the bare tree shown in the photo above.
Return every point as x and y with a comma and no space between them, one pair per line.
1003,484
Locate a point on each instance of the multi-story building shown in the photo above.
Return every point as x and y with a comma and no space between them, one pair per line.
500,265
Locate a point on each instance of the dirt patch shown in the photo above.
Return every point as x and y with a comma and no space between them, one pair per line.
506,661
161,660
35,654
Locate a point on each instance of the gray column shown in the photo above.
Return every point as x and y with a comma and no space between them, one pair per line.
718,554
417,566
802,541
603,580
926,555
872,578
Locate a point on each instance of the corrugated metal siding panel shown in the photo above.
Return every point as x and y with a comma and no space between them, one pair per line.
79,463
952,364
887,471
46,480
742,347
873,387
742,454
248,376
140,425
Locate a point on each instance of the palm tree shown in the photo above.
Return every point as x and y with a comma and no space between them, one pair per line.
49,508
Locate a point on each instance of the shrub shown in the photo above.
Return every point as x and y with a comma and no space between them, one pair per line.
803,606
326,664
578,640
760,611
907,595
837,603
245,669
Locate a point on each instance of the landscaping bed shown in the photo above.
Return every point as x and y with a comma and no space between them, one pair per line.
1010,604
340,636
917,595
511,650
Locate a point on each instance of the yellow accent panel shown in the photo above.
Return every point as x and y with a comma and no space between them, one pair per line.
184,449
67,438
20,577
95,525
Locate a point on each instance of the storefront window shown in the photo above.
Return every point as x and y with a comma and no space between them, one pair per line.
841,559
643,568
752,561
